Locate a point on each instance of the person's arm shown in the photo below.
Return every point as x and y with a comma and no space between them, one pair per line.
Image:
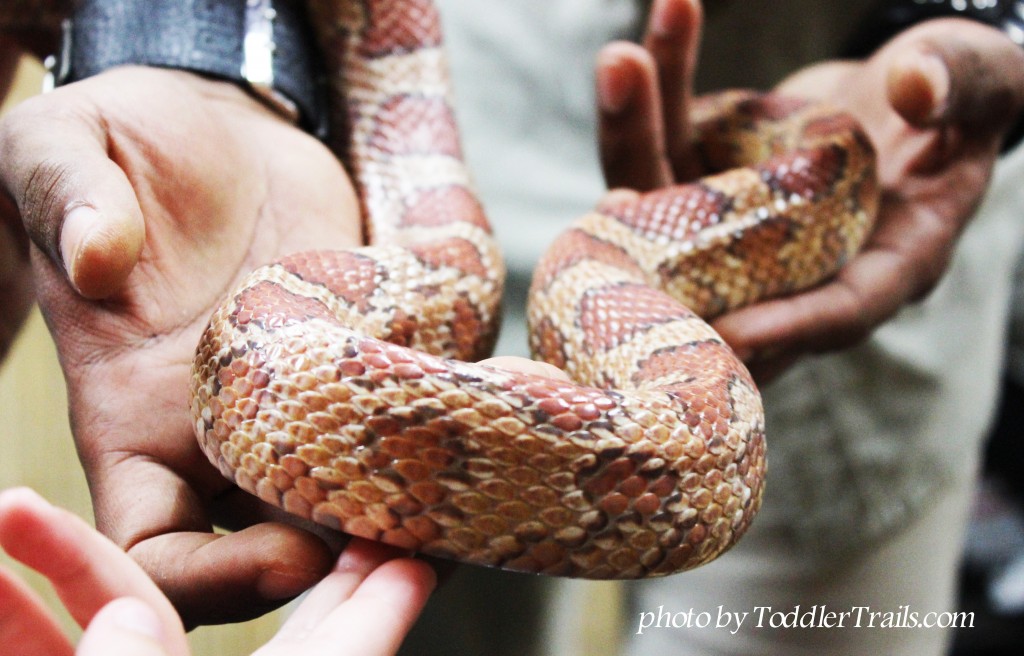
936,102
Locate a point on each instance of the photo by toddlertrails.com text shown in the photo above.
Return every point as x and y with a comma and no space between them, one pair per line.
818,616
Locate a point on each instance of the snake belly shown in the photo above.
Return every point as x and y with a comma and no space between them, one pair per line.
336,385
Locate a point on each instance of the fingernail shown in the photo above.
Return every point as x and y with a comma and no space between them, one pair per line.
134,616
934,70
935,74
614,85
78,224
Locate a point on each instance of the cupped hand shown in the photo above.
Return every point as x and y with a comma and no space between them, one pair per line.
936,102
365,606
146,195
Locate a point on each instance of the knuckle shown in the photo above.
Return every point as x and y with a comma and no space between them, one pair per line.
42,198
852,322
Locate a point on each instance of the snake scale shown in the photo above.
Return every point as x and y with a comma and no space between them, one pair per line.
337,385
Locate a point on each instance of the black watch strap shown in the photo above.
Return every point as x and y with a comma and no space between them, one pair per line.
265,45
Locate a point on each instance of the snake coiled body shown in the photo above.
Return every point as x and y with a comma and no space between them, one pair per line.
333,384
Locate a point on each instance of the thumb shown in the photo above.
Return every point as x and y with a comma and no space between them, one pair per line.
958,72
124,627
76,203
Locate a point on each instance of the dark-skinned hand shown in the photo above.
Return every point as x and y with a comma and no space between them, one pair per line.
936,102
145,194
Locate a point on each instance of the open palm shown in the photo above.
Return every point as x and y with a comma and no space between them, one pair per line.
147,194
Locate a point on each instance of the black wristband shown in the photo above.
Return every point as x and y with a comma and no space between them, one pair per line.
265,46
890,17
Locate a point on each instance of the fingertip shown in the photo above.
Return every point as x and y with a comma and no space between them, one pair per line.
99,249
730,328
421,575
620,66
671,19
631,120
362,555
124,626
614,86
20,496
132,615
19,506
402,582
366,558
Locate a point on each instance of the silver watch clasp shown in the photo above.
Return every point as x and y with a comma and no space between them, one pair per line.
58,65
258,50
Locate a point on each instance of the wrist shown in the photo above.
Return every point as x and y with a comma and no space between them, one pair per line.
263,46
